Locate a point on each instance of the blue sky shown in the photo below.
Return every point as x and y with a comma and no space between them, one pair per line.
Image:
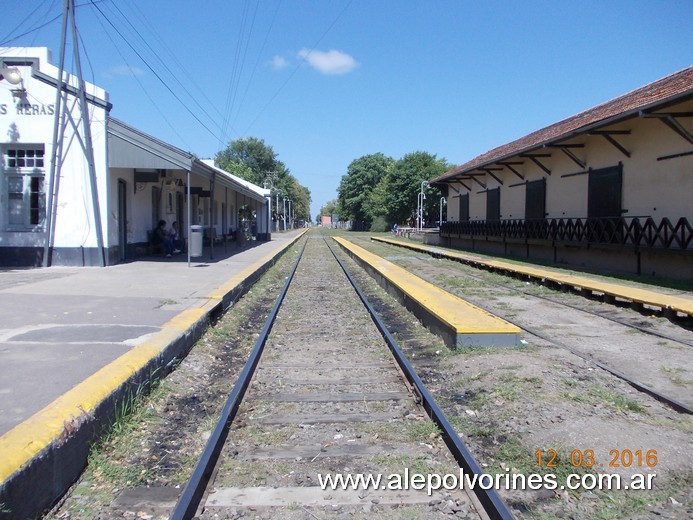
326,82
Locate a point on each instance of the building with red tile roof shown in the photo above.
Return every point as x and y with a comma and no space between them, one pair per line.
607,188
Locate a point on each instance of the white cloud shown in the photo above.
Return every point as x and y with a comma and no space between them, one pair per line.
330,62
279,63
123,70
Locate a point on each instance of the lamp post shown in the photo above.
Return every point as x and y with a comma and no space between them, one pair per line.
420,205
270,177
443,200
269,206
290,222
13,77
284,214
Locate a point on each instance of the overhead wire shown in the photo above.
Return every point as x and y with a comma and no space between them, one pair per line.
199,91
232,112
237,67
144,90
9,38
298,66
175,76
34,30
257,62
156,74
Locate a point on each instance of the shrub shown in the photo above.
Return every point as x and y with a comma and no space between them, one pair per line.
379,225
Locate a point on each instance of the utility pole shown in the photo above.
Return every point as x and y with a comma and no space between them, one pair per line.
85,141
269,179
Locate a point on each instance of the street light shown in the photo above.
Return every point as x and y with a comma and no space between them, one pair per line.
420,205
443,200
284,214
290,221
13,77
269,205
270,177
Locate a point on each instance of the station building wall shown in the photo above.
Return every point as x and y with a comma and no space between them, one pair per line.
26,128
651,188
657,183
128,209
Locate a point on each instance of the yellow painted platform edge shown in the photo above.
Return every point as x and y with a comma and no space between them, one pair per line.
634,294
29,438
241,277
26,440
418,288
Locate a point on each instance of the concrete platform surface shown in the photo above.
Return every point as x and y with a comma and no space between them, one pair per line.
68,336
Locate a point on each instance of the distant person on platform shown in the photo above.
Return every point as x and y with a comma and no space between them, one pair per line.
174,237
395,228
161,238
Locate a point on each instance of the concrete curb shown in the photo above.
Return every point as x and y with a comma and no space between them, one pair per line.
48,452
456,321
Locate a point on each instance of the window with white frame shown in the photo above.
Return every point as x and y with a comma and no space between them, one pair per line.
24,171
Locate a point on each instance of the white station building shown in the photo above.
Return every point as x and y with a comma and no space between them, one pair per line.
55,211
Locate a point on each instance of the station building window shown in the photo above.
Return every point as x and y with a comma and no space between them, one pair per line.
604,192
24,172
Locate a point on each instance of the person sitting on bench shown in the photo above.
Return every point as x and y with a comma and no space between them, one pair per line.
160,238
175,238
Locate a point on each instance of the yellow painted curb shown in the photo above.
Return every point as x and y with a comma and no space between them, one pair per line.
461,316
56,422
643,296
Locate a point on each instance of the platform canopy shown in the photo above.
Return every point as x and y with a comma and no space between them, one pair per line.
131,148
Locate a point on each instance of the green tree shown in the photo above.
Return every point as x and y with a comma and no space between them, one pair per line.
258,158
253,160
403,184
329,208
357,187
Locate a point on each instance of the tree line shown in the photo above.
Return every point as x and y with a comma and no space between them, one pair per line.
378,191
254,161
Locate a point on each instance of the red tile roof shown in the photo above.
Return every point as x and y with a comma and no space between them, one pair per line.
670,88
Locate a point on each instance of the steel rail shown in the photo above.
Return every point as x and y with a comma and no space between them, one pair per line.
189,501
587,311
493,505
671,402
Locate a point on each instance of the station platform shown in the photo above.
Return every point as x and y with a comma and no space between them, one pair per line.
72,338
669,304
457,321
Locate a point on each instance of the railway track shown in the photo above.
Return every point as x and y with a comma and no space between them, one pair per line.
327,391
555,309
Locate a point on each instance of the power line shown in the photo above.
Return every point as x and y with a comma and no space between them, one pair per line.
238,65
153,71
257,61
144,90
173,75
9,39
300,63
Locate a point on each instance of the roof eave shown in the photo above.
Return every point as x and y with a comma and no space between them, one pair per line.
617,118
